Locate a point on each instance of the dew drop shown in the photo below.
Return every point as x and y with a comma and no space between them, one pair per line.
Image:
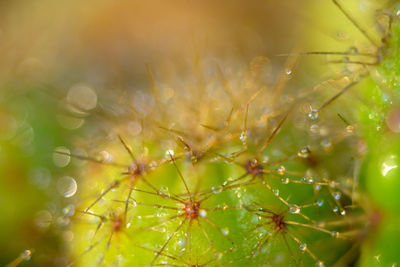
69,210
67,186
61,157
202,213
26,255
294,209
182,243
281,170
216,190
304,152
289,74
276,192
225,231
317,187
120,258
335,234
169,153
337,195
352,50
335,209
285,180
343,212
82,97
243,136
350,129
313,114
320,202
303,246
319,264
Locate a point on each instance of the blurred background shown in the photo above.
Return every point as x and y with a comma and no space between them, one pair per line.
85,51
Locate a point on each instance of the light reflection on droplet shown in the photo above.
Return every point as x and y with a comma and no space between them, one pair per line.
303,246
43,219
335,234
82,96
225,231
389,164
203,213
313,114
134,128
40,177
70,123
69,210
59,157
67,186
8,127
294,209
26,255
142,103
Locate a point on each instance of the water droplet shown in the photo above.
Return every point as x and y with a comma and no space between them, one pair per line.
142,102
67,186
216,190
352,50
294,209
202,213
337,195
343,212
285,180
326,143
276,192
69,210
304,152
40,178
225,231
26,255
243,136
281,170
320,202
182,242
43,219
120,257
9,127
350,129
314,129
81,96
319,264
313,114
335,209
106,157
169,153
317,187
289,74
303,246
335,234
61,156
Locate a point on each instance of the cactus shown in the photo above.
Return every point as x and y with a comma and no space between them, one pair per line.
232,167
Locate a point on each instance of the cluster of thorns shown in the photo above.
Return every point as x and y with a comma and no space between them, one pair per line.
190,206
191,209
